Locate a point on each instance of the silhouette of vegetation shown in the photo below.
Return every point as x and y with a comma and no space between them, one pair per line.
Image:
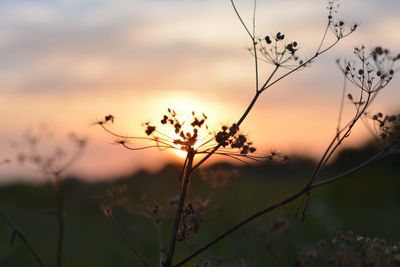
367,75
52,166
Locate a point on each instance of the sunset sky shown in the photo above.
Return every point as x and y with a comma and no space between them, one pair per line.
68,63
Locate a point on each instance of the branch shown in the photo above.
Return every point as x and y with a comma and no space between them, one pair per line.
241,20
351,171
126,239
17,233
60,215
283,202
178,215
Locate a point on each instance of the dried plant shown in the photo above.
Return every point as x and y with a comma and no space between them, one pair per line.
52,166
349,249
369,73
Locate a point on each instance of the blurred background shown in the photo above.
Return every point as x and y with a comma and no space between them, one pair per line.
66,64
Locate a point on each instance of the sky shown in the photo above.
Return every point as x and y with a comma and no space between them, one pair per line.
66,64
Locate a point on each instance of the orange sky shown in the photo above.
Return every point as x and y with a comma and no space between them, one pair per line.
68,63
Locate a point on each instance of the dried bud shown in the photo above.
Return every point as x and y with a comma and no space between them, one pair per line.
109,118
268,39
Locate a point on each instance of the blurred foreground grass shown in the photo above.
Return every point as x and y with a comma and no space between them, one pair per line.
367,203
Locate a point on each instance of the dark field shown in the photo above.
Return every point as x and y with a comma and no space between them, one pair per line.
366,203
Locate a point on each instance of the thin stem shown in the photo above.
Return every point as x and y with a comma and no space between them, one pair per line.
270,77
160,243
340,140
279,204
241,20
181,174
300,66
235,227
254,41
146,147
339,122
324,36
126,239
249,108
179,211
60,216
17,233
351,171
156,139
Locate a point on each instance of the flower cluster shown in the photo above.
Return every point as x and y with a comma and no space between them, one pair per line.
338,26
348,249
192,217
184,135
372,71
157,211
194,135
38,152
276,51
231,137
187,138
387,127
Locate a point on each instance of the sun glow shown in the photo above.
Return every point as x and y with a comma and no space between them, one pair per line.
185,105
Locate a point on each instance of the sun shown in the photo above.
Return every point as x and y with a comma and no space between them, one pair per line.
179,153
184,104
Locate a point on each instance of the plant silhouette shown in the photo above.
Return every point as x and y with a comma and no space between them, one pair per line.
365,77
368,74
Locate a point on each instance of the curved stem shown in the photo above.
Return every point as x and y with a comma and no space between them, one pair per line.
241,20
281,203
17,233
126,239
60,216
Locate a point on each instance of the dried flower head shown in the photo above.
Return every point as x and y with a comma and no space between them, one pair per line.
193,135
192,218
218,177
371,71
276,51
349,249
387,128
36,150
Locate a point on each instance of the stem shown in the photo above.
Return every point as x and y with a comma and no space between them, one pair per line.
249,108
241,20
240,224
160,244
60,216
283,202
254,41
126,239
17,233
318,53
348,172
179,211
337,141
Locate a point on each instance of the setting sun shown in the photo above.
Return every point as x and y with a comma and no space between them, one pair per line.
157,133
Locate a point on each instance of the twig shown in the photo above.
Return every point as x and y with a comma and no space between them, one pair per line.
241,20
16,233
60,216
160,243
126,239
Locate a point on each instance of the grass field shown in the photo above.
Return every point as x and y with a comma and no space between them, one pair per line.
367,203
